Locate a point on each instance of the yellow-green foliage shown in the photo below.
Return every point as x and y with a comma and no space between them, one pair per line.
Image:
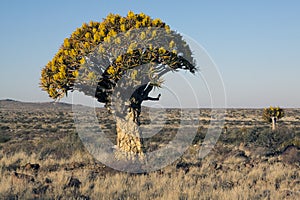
59,75
270,112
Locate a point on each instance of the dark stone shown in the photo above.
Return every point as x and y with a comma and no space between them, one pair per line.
74,182
48,180
40,190
184,166
30,166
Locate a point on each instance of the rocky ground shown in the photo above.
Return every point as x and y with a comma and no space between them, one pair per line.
42,156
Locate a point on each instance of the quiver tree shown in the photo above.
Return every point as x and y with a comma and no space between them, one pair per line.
118,61
272,115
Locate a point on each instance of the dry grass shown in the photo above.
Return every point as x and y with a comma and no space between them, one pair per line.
248,162
264,181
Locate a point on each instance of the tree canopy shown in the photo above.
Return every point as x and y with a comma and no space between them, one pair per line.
97,55
272,112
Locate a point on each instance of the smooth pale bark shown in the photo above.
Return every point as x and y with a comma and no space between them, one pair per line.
129,140
273,123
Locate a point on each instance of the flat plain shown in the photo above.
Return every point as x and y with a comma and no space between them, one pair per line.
42,156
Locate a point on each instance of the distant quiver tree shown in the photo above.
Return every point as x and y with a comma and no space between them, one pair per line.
118,61
272,115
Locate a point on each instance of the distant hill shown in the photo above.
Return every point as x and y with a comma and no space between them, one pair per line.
13,104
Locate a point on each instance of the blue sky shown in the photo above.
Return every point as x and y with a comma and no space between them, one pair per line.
255,44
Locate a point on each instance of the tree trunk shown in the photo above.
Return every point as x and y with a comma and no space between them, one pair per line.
129,140
273,123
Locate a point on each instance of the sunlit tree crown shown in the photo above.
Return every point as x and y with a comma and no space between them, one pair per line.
70,62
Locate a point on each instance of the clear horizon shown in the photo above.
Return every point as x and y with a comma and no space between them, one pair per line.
255,45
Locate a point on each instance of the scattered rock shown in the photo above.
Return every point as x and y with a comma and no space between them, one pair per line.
31,167
73,182
48,180
184,166
218,166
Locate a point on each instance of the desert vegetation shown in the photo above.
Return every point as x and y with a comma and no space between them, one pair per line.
272,115
42,157
93,61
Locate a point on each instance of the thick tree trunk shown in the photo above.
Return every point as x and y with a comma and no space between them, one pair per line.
129,140
273,123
